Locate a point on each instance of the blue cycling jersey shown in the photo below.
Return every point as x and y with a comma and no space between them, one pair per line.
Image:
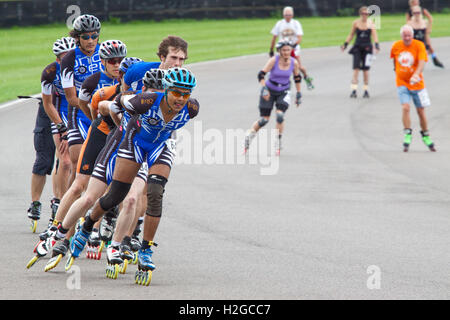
135,73
77,67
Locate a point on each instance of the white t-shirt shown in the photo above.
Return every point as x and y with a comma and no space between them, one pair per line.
288,30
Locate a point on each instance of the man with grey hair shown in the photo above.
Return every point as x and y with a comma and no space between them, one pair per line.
410,57
291,30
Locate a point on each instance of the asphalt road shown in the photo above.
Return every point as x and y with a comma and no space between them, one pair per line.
343,213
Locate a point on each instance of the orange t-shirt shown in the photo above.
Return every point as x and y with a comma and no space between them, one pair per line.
406,62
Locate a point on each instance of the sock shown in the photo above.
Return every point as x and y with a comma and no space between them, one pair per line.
115,244
126,241
433,55
366,87
354,86
145,245
88,224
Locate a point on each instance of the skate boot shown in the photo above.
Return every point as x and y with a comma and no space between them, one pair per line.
43,247
248,139
353,94
34,213
94,246
54,205
143,275
366,94
107,226
437,63
309,83
407,139
59,251
427,140
127,256
114,262
79,241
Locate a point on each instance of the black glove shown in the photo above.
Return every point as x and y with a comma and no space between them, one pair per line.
271,53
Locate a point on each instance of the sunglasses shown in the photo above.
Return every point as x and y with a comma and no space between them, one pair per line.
179,94
87,37
114,60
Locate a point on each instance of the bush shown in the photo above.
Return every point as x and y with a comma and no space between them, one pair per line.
345,12
445,10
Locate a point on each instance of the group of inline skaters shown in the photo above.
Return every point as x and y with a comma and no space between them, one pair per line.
276,89
113,118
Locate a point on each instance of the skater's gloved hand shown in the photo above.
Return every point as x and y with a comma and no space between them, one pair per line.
344,46
298,98
271,53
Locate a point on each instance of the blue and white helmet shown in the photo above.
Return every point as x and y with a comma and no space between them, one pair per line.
128,62
179,78
63,45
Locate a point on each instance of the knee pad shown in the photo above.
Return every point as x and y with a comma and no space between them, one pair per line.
115,196
262,122
155,191
280,117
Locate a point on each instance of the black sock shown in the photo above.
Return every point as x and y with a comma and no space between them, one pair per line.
145,245
88,224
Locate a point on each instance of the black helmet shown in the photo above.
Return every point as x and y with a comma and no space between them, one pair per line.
86,23
153,79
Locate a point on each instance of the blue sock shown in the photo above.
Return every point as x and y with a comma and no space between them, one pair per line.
433,55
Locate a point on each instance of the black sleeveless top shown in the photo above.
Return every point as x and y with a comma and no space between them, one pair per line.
419,34
363,37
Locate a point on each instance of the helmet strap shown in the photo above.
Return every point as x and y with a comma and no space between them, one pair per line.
167,101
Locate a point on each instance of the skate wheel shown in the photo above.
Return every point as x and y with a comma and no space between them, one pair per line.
53,262
32,262
69,263
143,278
112,271
102,245
135,258
99,254
123,267
33,226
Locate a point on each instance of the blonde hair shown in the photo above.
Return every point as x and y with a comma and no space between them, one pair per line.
410,2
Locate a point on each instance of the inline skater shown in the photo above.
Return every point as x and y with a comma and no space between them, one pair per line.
76,66
362,49
276,90
411,15
291,30
410,57
172,51
55,105
157,114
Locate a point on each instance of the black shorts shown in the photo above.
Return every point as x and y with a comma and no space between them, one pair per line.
94,143
359,56
43,144
281,99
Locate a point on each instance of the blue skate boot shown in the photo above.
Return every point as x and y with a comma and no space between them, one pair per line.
143,275
77,245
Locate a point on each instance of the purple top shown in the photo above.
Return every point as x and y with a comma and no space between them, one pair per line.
279,79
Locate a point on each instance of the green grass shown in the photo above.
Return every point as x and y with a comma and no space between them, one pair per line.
26,51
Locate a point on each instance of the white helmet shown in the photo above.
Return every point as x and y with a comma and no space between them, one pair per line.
63,45
153,79
112,49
